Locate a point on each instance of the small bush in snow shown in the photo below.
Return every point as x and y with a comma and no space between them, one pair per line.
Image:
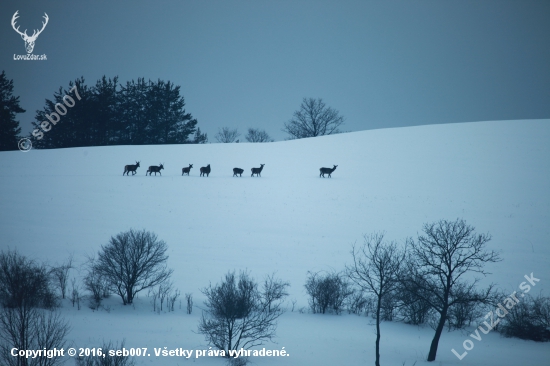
241,314
96,284
327,292
239,361
462,315
359,302
530,319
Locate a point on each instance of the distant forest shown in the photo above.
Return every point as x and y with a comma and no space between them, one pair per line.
108,113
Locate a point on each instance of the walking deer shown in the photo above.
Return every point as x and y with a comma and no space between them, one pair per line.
205,170
327,171
131,168
257,171
186,170
154,169
238,171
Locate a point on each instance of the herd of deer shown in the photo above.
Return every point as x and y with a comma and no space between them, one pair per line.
205,170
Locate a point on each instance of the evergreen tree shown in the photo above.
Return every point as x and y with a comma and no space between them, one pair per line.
9,107
111,114
73,129
200,138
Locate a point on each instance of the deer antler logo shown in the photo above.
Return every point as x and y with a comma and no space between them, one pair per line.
29,41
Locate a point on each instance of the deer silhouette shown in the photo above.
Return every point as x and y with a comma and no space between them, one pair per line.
154,169
238,171
131,168
205,170
186,170
257,171
327,171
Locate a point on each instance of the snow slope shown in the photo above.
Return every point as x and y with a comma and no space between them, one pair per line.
495,175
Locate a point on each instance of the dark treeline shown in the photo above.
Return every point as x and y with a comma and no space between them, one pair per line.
108,113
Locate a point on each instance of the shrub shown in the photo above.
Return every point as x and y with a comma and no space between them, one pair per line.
327,292
528,319
239,314
413,309
96,284
24,283
26,322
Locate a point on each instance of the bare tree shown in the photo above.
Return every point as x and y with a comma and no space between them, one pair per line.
164,291
60,275
154,293
376,268
274,291
313,119
189,302
25,321
171,300
75,293
238,314
441,257
31,328
96,283
24,282
133,261
257,135
226,135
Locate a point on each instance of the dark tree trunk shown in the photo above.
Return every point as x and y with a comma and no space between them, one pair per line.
129,296
378,306
435,341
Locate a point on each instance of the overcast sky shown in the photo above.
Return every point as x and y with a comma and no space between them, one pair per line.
249,63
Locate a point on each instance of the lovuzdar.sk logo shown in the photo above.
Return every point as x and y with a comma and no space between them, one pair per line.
29,40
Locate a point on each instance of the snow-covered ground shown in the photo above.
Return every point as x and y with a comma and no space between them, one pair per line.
495,175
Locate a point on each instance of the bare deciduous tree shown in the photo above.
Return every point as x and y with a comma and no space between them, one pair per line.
164,289
239,314
96,283
23,282
75,293
313,119
133,261
171,300
60,275
376,268
25,319
189,302
31,328
226,135
441,257
257,135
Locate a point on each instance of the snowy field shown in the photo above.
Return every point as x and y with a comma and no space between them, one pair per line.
495,175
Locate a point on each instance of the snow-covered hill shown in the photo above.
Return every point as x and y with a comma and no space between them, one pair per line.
495,175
